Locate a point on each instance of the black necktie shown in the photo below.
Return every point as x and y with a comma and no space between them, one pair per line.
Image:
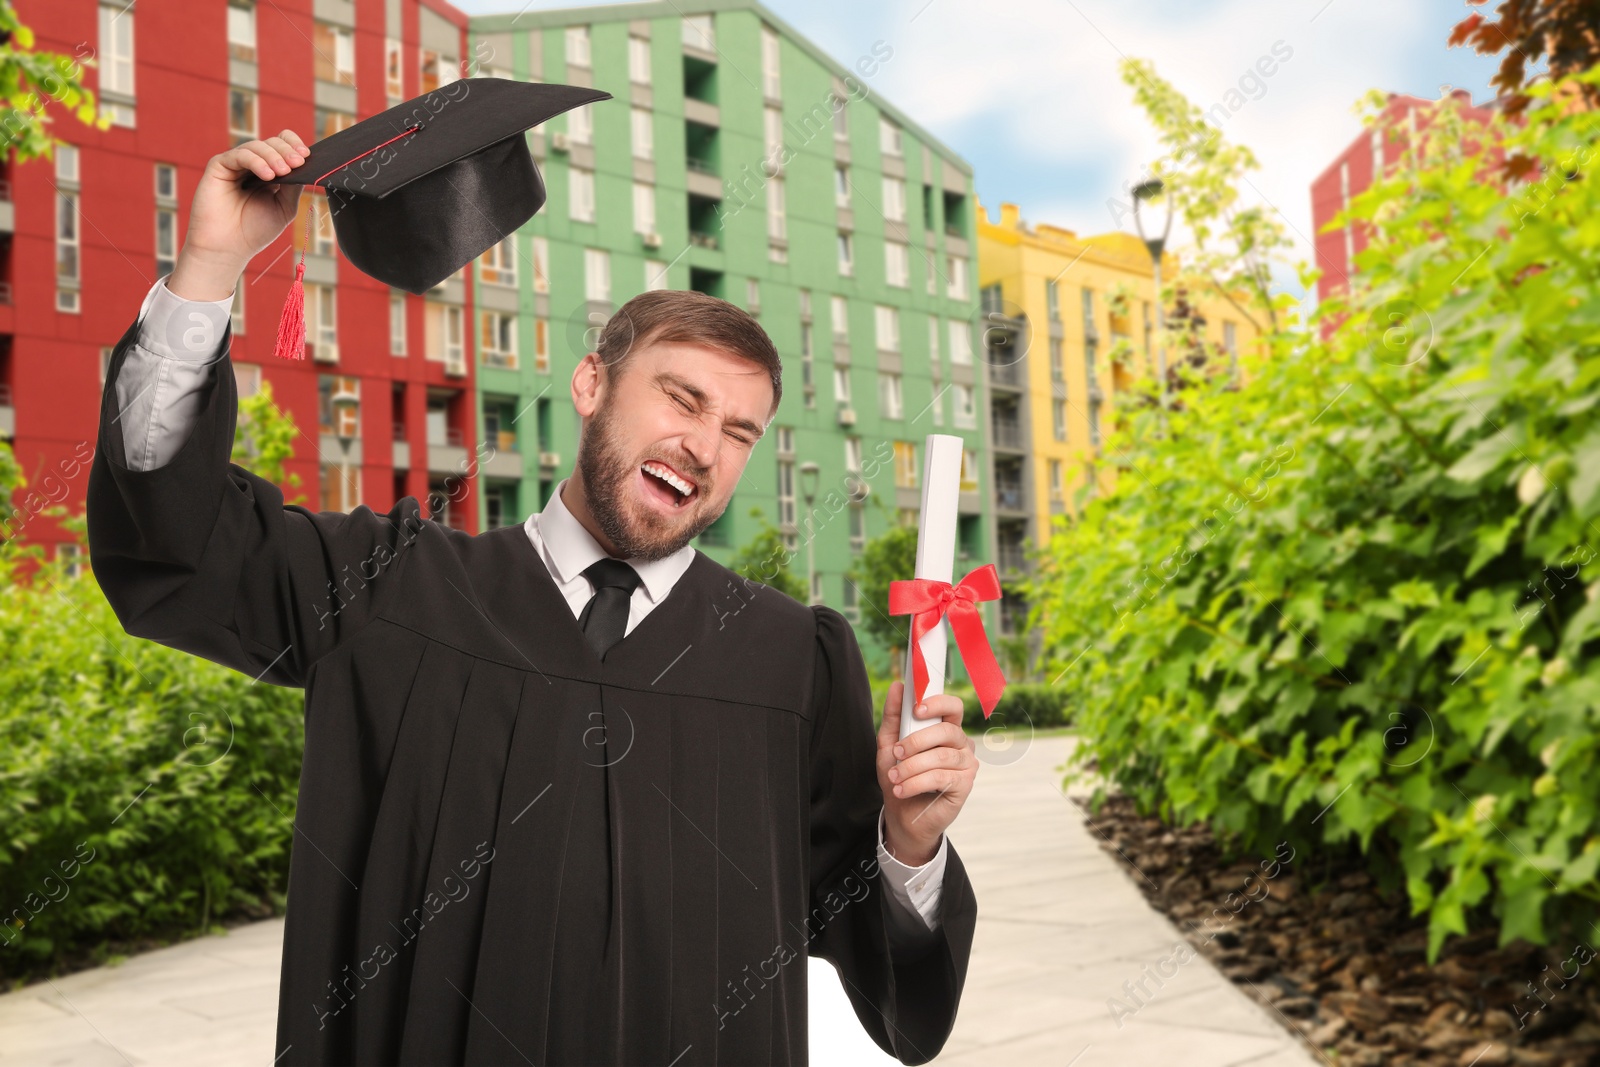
605,617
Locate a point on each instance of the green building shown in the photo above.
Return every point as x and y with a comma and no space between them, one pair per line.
737,159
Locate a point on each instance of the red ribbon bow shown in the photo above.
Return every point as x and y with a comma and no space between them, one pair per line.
927,600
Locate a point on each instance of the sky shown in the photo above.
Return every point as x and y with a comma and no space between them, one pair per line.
1027,91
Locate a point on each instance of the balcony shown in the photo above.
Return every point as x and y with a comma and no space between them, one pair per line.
1008,434
502,460
1012,559
1008,496
8,413
1006,374
503,360
703,240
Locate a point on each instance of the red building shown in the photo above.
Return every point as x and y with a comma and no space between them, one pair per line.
1352,171
385,406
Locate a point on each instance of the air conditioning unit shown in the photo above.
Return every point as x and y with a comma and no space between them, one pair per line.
847,416
455,364
652,240
558,142
549,459
328,353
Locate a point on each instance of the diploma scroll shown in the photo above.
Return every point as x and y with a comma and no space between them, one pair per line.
936,559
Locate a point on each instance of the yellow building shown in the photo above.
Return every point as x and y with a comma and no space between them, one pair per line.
1089,308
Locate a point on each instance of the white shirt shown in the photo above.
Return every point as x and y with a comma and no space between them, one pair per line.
158,394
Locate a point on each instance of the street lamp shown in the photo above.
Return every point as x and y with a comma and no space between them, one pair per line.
346,409
1151,190
809,475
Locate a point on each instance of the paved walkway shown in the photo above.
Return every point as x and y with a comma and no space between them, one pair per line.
1060,930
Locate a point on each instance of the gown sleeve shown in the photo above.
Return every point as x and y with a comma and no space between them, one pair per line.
907,1002
203,556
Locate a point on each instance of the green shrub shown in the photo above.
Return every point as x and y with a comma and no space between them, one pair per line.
1353,603
146,793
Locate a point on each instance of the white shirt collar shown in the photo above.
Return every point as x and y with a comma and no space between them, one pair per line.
571,549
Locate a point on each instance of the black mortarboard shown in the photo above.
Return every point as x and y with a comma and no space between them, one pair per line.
420,190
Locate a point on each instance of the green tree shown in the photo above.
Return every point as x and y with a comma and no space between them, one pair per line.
1355,603
891,556
263,439
30,81
766,559
1234,243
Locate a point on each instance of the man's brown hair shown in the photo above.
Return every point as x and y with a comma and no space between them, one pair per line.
680,316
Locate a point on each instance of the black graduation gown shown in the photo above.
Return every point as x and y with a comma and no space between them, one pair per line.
505,849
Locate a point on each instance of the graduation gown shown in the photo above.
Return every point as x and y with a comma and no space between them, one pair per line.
506,850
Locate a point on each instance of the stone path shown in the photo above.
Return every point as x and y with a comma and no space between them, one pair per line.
1060,930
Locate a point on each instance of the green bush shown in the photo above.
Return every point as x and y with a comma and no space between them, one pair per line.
1354,601
146,793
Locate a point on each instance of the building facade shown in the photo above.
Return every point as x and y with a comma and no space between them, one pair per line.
1071,322
1353,171
737,159
386,401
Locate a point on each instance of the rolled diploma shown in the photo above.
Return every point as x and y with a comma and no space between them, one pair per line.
936,559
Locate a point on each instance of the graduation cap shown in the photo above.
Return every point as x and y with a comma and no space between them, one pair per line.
420,190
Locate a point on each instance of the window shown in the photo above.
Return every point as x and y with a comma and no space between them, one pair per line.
639,60
596,274
840,311
957,274
698,32
858,527
242,32
236,318
339,404
1055,480
315,203
1058,418
966,414
852,455
933,273
771,83
841,185
888,324
333,50
644,208
580,125
497,339
841,116
341,487
807,364
773,126
247,376
889,139
580,190
541,264
785,492
397,324
777,220
933,344
393,83
68,238
960,342
321,317
441,335
969,470
841,385
890,402
897,264
166,218
894,199
847,263
1230,340
241,114
905,464
166,240
1052,300
1057,370
936,405
655,275
498,265
428,66
541,345
752,295
327,122
578,46
644,146
116,60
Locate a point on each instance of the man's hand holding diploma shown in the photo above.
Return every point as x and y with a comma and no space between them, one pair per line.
925,777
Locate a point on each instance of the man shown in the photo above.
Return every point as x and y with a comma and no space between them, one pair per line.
572,792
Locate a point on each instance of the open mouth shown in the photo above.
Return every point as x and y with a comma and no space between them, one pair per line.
666,486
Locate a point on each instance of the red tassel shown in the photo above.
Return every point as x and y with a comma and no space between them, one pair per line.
291,342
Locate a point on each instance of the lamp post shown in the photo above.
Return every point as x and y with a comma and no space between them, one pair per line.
1150,190
809,474
345,430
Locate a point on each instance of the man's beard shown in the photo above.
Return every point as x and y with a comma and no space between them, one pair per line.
636,530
